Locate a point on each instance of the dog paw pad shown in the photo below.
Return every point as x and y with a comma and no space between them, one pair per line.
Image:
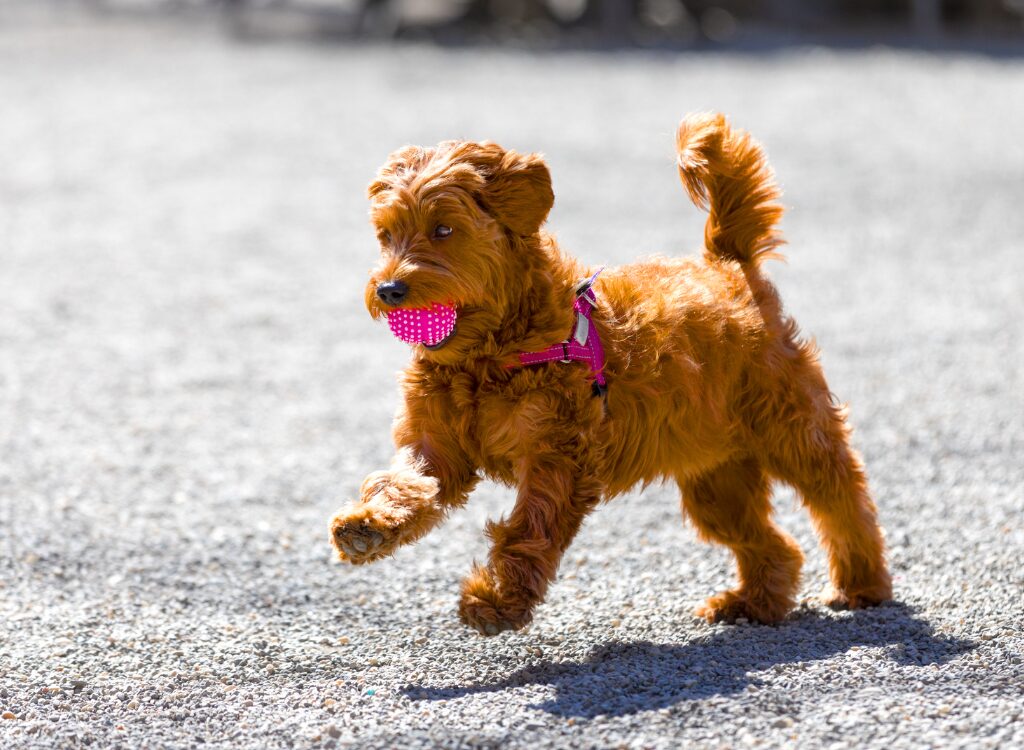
356,541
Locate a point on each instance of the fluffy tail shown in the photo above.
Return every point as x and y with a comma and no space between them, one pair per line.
726,172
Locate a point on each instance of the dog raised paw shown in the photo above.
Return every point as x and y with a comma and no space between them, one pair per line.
482,608
486,619
361,537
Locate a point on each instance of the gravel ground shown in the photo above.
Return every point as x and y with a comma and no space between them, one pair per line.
189,387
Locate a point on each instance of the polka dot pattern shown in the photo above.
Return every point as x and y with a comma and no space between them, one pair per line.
423,325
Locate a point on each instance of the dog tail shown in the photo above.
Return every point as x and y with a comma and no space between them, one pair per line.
726,172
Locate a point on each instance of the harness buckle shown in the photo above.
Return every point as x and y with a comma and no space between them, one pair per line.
565,353
583,288
582,332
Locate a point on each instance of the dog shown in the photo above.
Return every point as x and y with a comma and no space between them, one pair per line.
572,387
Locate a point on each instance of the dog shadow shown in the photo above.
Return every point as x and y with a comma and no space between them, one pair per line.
620,678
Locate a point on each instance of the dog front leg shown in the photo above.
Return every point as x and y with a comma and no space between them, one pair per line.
553,499
398,506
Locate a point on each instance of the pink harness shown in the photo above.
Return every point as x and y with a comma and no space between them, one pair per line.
584,345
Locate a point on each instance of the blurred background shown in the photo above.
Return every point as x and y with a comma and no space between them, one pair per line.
608,22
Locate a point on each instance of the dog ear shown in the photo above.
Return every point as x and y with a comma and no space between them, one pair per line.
516,187
519,192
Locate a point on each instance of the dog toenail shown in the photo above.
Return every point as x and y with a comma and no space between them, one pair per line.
376,538
491,628
359,544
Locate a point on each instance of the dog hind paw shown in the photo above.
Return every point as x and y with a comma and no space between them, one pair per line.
729,606
842,599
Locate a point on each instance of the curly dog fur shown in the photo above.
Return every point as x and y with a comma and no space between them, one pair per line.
710,384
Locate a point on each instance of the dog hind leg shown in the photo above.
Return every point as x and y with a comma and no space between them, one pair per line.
806,443
731,505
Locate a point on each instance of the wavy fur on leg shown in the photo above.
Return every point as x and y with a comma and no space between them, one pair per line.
731,505
710,383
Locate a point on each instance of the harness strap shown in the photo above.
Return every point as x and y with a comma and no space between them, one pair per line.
584,345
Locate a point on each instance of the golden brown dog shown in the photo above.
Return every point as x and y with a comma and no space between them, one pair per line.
709,383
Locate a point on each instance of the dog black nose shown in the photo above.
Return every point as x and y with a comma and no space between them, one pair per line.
392,292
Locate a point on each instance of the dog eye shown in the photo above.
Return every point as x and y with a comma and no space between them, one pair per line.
441,232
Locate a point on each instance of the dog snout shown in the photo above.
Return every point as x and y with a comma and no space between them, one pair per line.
392,292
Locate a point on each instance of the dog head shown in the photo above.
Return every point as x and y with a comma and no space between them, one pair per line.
451,222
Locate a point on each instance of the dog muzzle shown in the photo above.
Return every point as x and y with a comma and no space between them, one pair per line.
423,325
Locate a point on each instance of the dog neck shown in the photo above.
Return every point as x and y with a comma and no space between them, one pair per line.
540,306
534,310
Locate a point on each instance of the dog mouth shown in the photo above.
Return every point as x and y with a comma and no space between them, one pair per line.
432,327
442,342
